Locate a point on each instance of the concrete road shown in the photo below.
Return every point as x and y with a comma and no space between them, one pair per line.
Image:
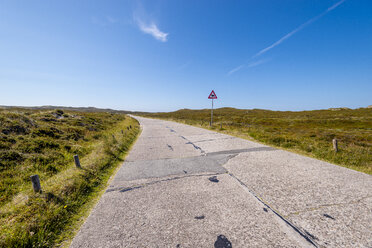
183,186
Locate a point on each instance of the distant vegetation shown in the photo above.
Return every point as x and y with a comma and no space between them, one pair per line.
306,132
43,142
79,109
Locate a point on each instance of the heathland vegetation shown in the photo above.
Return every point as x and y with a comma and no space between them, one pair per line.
43,142
306,132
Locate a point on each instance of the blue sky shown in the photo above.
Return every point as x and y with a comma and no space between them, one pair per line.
166,55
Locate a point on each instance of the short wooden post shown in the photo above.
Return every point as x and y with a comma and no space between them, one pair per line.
130,126
77,161
122,132
220,125
36,183
127,128
335,145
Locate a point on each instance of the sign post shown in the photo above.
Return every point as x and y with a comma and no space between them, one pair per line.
212,96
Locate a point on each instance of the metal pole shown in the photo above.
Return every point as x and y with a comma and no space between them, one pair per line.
212,114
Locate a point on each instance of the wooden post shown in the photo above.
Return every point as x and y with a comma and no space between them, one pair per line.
36,183
122,132
77,161
335,145
220,125
130,126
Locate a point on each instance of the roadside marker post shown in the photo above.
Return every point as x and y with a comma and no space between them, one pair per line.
77,161
335,145
212,96
36,183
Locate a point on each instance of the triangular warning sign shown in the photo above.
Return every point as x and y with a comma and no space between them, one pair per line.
212,95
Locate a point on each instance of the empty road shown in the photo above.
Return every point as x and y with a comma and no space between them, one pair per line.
183,186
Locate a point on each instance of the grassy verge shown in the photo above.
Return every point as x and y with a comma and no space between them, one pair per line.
307,132
48,219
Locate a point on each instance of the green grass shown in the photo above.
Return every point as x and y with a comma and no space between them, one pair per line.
44,142
306,132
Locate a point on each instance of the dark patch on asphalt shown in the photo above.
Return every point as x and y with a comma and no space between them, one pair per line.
213,179
183,137
125,189
255,149
199,217
178,245
129,189
205,140
195,146
222,242
185,172
171,129
328,216
144,169
170,147
216,139
311,236
265,209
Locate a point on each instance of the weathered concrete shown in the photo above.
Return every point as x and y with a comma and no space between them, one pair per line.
165,195
330,202
188,211
165,167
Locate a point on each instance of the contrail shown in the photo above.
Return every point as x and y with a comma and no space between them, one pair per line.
235,69
302,26
285,37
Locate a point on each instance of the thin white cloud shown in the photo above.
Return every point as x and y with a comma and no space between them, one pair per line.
256,63
335,5
249,65
153,30
235,69
146,23
299,28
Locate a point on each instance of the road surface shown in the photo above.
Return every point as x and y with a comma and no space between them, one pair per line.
183,186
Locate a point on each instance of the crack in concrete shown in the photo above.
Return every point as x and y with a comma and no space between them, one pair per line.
172,130
196,147
305,235
238,151
327,205
189,142
125,189
214,139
